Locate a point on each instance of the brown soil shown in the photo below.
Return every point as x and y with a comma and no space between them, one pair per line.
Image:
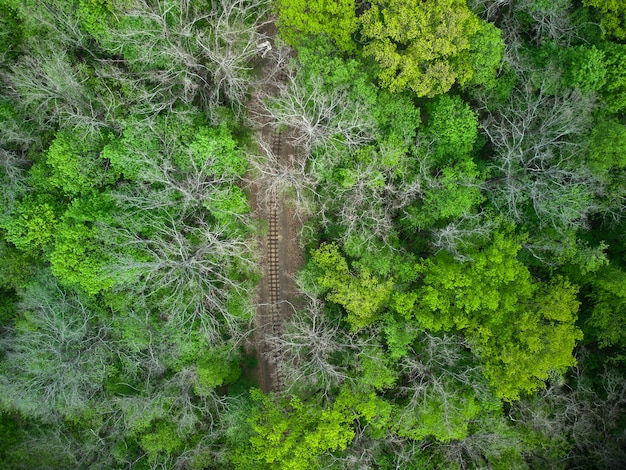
281,254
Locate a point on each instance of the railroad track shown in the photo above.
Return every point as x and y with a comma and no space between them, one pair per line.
282,76
272,236
273,323
276,291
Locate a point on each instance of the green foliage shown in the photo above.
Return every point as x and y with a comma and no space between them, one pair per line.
399,333
503,87
554,68
32,226
176,143
362,295
380,260
94,17
78,258
218,147
147,52
399,36
215,368
188,346
24,445
440,417
12,32
321,61
141,412
302,18
121,153
449,137
455,193
520,328
163,438
125,265
8,305
539,341
293,434
16,268
18,131
585,69
228,202
608,315
492,281
490,440
486,52
614,89
452,128
613,16
375,371
71,166
606,145
398,119
9,434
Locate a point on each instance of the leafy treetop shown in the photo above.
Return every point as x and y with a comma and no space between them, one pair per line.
426,46
523,329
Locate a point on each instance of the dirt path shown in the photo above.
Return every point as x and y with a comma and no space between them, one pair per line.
282,255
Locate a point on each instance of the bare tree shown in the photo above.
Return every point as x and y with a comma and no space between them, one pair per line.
491,10
185,191
13,177
307,347
190,271
551,20
187,52
434,374
537,161
172,399
52,90
280,177
320,116
492,442
17,130
461,235
174,238
57,357
47,446
366,205
233,44
57,24
583,415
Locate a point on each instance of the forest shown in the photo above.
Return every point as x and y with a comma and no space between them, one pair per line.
458,184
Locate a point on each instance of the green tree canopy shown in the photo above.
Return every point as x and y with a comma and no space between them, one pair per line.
426,46
451,129
608,314
337,19
292,434
522,329
614,90
613,16
362,295
72,166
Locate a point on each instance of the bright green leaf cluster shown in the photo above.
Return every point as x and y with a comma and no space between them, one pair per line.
522,329
427,46
361,295
293,434
613,16
336,19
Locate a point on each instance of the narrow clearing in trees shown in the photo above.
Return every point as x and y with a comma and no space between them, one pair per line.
281,254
